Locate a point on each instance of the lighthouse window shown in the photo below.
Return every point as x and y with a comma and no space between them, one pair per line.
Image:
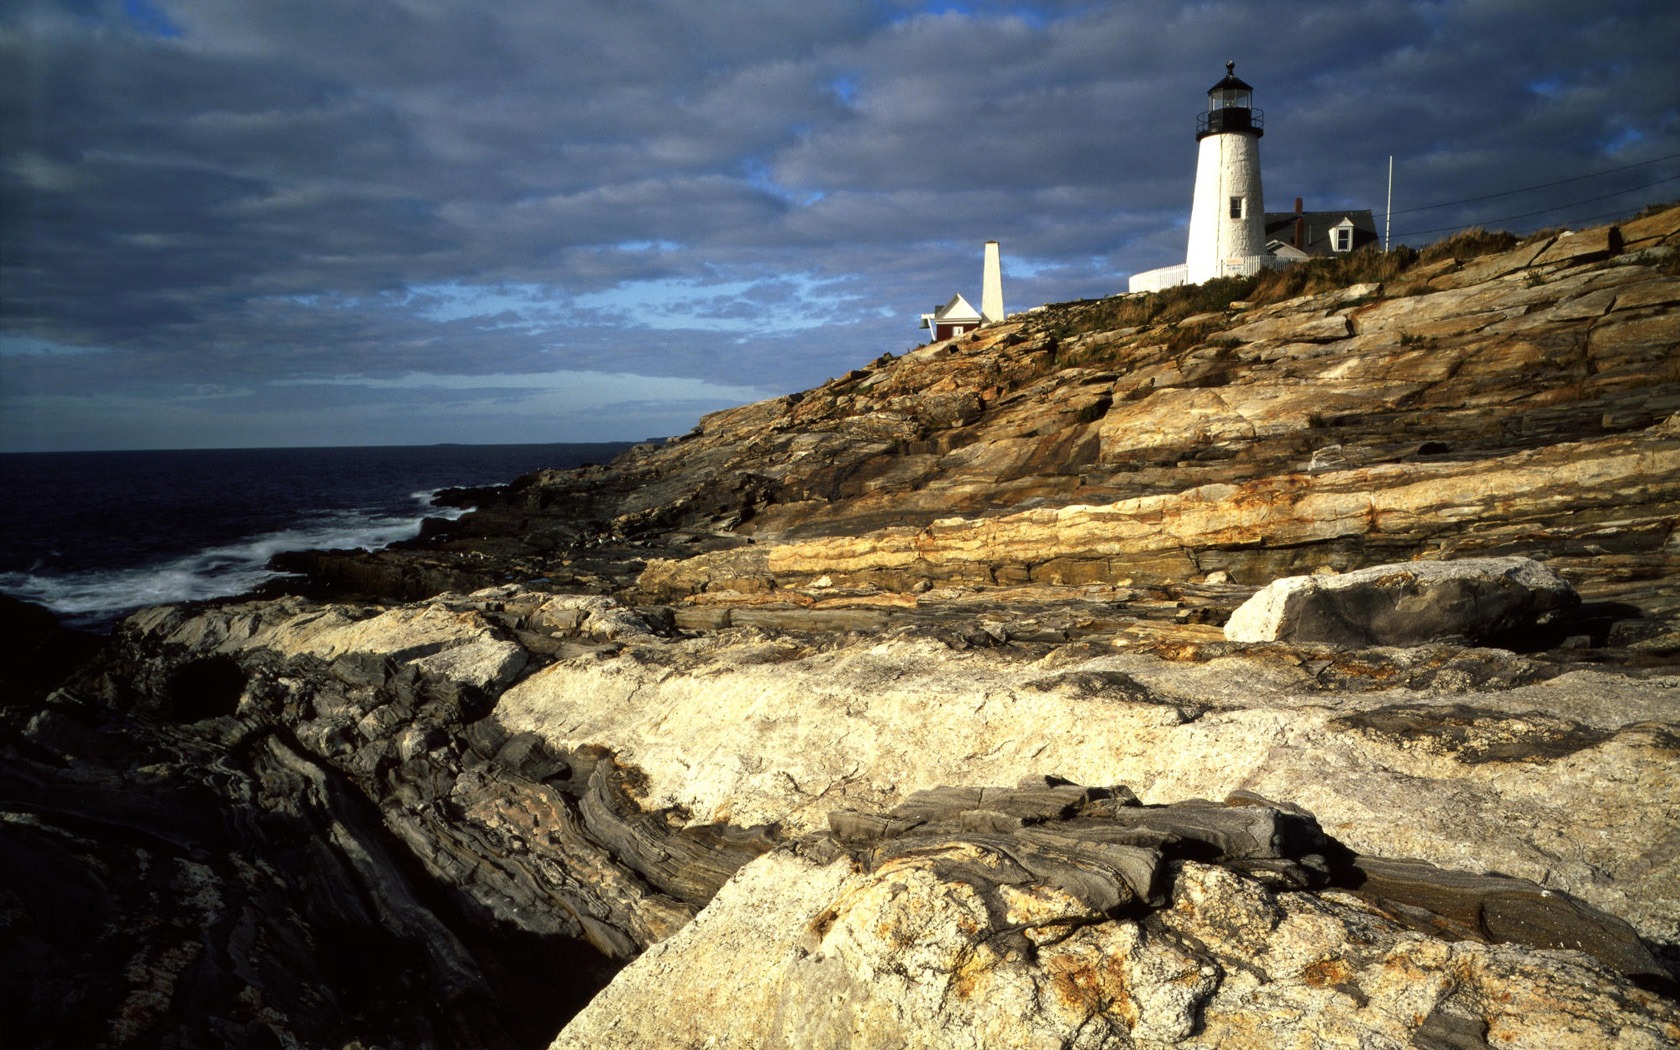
1239,207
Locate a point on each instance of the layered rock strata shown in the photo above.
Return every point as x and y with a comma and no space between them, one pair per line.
734,706
1515,403
292,825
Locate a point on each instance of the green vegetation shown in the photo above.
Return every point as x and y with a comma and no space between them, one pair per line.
1167,307
1656,209
1468,244
1366,266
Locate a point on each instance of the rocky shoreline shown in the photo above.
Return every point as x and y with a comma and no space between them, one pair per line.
903,712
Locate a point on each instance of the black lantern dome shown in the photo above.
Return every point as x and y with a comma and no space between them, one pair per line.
1230,108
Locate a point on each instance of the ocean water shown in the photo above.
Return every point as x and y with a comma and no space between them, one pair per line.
95,535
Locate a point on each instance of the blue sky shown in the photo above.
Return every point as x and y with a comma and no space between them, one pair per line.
408,221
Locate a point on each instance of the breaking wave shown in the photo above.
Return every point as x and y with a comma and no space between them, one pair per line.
94,598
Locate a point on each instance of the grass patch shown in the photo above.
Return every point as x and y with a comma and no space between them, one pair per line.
1468,244
1656,209
1366,266
1166,307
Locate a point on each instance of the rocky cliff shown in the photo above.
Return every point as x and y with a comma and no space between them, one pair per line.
901,713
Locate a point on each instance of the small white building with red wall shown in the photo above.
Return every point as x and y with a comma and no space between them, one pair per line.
957,316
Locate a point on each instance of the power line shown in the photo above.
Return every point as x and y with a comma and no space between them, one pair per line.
1541,186
1542,211
1619,213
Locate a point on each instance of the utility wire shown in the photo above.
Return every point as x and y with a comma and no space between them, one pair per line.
1542,211
1541,186
1619,213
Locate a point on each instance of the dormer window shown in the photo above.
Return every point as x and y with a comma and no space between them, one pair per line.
1341,236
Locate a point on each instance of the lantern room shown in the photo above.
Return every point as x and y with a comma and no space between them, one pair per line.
1230,107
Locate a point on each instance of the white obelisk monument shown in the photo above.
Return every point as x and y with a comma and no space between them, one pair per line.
991,286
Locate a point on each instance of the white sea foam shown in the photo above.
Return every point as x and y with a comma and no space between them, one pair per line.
96,597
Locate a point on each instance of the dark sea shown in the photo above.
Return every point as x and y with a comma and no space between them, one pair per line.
95,535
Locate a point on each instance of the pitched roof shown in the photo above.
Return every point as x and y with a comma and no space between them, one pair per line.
1232,82
957,310
1316,227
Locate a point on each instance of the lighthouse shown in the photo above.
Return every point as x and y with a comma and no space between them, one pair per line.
1230,232
1227,213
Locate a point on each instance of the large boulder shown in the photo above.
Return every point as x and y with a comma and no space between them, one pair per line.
1473,599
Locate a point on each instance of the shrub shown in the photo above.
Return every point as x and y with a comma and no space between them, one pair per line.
1543,235
1168,306
1468,244
1369,265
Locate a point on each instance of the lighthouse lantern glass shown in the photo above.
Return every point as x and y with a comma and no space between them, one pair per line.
1229,98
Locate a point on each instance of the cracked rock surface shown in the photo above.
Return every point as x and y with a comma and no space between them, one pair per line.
1057,916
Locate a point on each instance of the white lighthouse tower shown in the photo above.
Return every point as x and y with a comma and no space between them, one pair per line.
1227,213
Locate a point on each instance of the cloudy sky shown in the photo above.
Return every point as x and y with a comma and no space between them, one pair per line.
280,222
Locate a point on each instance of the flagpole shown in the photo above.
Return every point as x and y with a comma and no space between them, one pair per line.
1388,214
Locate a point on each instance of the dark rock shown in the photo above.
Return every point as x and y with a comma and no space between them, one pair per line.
40,651
207,688
1113,856
1446,1029
1500,909
688,862
1474,735
527,755
301,852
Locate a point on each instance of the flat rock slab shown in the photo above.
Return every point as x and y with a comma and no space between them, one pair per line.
1405,604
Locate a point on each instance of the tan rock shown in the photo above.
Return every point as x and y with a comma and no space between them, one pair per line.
754,736
1468,502
440,638
1648,293
1661,227
1465,308
1582,245
1293,328
1188,419
793,953
1493,267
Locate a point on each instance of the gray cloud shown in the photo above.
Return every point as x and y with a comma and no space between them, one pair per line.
202,198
